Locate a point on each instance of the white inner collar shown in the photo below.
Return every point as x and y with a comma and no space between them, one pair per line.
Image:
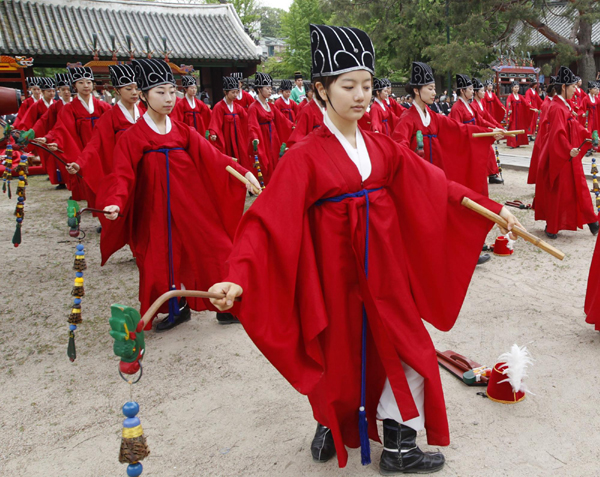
380,103
516,96
153,125
265,105
564,101
286,101
127,114
191,101
359,155
425,116
46,103
229,106
88,106
489,93
479,103
467,105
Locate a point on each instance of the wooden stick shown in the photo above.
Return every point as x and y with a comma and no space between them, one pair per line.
242,179
488,214
506,133
153,310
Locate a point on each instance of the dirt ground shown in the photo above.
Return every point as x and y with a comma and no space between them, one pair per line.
212,405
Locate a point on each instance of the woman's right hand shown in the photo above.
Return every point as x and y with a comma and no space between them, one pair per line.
231,292
574,152
213,137
73,168
113,212
52,146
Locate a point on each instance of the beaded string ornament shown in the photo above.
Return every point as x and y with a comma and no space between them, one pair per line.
7,175
22,169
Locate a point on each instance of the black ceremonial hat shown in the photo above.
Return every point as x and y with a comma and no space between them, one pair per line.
298,75
238,75
552,80
121,75
152,72
47,83
32,81
337,50
421,74
477,84
187,81
463,81
378,84
565,76
286,85
489,81
262,79
387,82
592,84
62,79
229,83
78,73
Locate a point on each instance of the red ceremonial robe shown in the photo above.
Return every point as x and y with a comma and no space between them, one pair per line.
580,96
74,129
540,142
396,111
519,118
448,145
290,110
309,119
269,127
310,258
25,105
245,101
35,112
483,118
562,195
381,119
494,106
534,101
593,113
197,117
57,172
96,160
364,123
231,129
592,296
206,206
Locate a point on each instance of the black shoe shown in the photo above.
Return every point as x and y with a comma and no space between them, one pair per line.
402,456
185,314
594,227
61,187
322,447
494,179
484,257
226,318
552,236
589,153
99,229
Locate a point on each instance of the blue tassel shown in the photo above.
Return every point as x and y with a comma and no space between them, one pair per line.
363,432
59,176
173,309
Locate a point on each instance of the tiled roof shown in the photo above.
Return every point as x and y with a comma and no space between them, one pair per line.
65,28
557,19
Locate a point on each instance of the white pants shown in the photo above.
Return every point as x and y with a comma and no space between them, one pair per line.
388,408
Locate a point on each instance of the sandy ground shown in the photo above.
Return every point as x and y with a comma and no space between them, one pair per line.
212,405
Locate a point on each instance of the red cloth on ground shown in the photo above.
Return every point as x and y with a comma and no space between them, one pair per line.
309,119
449,145
231,129
197,117
310,259
206,206
532,98
73,130
562,195
540,141
494,106
381,119
520,118
269,127
246,101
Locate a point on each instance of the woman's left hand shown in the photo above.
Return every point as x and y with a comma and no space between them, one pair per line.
252,181
512,221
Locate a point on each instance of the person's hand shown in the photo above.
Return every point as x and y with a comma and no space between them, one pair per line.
52,146
253,182
213,137
113,212
499,133
574,152
231,292
41,140
73,168
511,222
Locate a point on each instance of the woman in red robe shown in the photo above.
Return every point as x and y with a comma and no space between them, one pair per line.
309,119
190,110
519,117
492,103
590,108
532,98
76,122
266,125
33,86
243,98
229,122
179,205
96,160
37,110
334,268
542,136
562,195
381,116
287,106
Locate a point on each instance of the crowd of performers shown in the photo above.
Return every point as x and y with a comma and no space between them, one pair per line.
337,260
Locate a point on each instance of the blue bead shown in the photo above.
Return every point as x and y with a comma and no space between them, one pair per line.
77,301
135,470
593,159
80,252
21,199
131,422
72,327
79,274
21,178
131,408
80,247
19,219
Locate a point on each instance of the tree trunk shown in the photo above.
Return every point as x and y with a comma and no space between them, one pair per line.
585,64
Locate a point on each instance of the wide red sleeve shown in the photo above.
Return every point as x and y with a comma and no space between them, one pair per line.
215,126
42,125
98,153
376,117
301,130
254,131
206,114
284,125
177,113
404,130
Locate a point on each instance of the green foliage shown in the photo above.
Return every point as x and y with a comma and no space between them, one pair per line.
270,21
248,11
